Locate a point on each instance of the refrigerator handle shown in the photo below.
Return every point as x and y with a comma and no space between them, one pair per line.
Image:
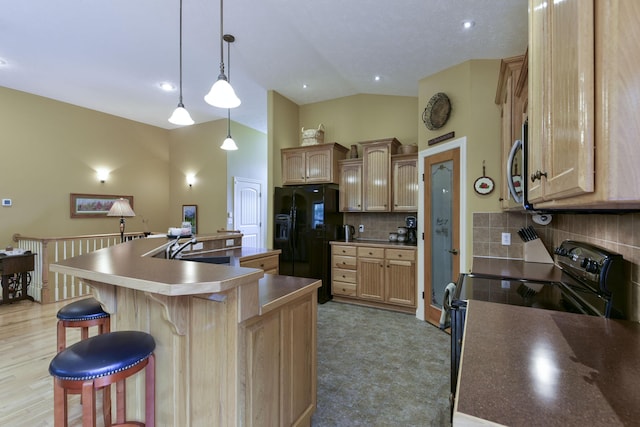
294,229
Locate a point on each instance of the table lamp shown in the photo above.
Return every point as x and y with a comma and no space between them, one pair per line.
122,209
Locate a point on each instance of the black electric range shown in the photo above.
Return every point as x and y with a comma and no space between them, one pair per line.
591,282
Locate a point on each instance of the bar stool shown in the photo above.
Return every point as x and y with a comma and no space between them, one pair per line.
81,314
98,362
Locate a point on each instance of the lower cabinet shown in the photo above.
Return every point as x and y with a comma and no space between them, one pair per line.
374,275
278,369
270,263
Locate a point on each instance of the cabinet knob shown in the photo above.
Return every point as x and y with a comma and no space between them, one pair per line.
399,255
538,175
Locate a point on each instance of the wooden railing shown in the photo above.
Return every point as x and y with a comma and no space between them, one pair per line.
49,287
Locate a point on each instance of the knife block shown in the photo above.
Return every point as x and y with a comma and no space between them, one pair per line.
534,251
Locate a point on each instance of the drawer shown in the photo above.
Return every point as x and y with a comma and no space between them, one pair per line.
343,275
348,262
401,254
266,263
370,252
343,250
342,288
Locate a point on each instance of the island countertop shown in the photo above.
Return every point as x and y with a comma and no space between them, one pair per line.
115,265
528,366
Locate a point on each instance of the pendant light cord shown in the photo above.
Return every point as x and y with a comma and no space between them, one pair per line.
229,80
181,53
221,44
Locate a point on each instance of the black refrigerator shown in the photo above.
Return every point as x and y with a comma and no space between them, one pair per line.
306,219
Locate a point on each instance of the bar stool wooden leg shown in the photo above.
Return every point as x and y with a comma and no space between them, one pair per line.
150,392
88,404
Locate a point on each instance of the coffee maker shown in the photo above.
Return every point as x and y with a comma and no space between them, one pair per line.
412,230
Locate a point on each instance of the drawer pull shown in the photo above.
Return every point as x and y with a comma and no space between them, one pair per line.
370,253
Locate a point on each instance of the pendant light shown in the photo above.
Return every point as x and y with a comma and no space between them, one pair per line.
180,115
229,144
222,94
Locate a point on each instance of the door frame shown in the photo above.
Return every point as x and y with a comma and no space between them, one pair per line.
460,143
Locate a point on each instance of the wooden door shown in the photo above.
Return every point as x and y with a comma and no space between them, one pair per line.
351,186
400,279
318,166
377,169
442,228
561,115
293,167
405,183
370,283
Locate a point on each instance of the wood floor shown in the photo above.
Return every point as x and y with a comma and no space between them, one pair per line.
27,345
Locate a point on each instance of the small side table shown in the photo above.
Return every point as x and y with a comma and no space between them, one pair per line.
15,276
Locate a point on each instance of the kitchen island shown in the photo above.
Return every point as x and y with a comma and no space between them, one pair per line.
233,346
528,366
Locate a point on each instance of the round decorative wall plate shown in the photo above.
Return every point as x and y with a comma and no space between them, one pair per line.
437,112
483,185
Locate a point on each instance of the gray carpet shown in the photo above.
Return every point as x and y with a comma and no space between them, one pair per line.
380,368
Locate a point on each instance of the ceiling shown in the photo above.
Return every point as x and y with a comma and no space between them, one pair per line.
111,55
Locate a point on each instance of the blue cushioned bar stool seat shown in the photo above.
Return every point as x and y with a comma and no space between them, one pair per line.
98,362
82,314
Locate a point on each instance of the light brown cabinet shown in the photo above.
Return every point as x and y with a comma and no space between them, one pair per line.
509,96
350,185
376,160
278,372
404,178
343,270
270,263
583,92
376,276
313,164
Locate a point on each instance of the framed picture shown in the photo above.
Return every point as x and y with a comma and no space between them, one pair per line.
93,205
190,215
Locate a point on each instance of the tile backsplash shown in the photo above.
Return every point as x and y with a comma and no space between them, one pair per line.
618,233
376,226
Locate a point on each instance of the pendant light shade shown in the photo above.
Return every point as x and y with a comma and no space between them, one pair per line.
180,115
222,94
229,144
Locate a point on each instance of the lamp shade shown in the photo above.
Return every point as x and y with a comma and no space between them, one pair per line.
222,94
121,208
229,144
181,116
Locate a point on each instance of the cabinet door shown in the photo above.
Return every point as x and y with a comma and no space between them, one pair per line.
377,165
405,184
293,167
318,166
401,282
561,99
351,186
370,279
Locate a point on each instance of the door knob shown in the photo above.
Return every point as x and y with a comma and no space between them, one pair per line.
453,251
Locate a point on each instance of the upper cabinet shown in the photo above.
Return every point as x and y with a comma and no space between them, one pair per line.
583,91
313,164
351,185
404,177
376,158
511,98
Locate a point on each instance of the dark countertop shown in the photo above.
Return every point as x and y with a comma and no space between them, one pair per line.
527,366
515,269
374,242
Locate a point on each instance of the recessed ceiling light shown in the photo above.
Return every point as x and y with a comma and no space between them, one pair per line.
2,62
166,86
468,24
376,78
304,86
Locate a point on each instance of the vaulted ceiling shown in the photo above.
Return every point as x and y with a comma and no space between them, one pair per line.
112,55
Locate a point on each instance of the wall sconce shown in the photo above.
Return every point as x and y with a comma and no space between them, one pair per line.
103,174
191,179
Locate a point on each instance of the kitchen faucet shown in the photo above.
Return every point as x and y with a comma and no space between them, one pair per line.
174,249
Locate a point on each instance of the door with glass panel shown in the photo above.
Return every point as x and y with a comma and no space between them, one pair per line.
442,228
